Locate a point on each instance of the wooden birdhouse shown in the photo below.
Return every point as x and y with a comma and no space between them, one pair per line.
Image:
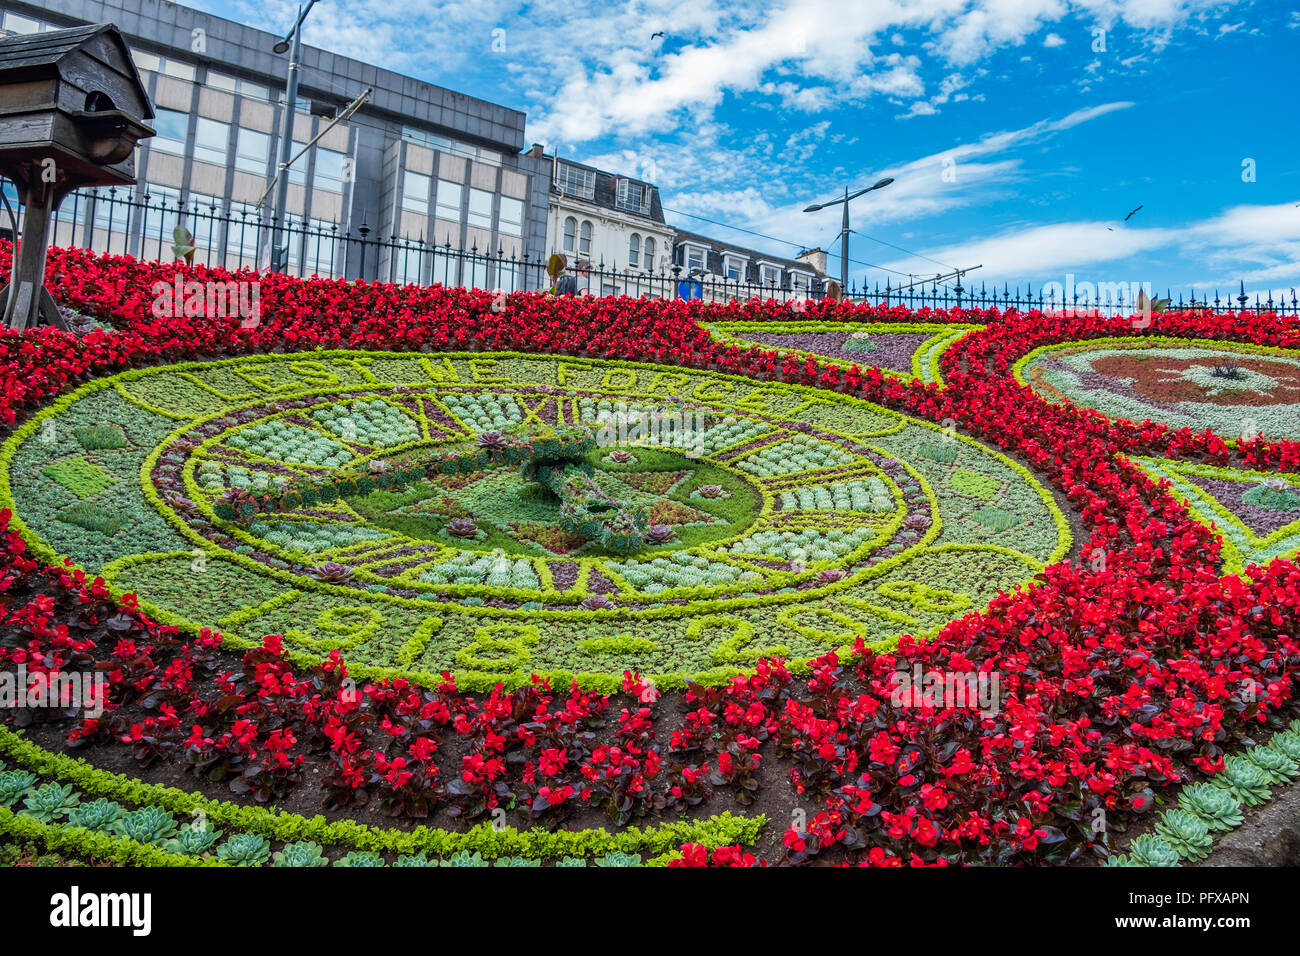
72,109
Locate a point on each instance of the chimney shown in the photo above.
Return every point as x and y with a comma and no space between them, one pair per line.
537,151
815,258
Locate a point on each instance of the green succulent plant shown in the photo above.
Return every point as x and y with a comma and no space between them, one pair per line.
1278,766
418,859
1214,806
304,853
465,858
245,849
1186,833
517,861
98,815
617,859
1246,782
571,861
49,802
1287,742
13,784
1150,850
1120,859
194,841
361,858
148,825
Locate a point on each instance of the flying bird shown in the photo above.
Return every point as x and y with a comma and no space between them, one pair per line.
1130,215
656,35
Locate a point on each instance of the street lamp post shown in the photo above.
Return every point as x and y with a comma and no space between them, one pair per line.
292,42
844,226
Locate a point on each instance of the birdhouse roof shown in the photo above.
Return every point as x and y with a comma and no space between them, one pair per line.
40,54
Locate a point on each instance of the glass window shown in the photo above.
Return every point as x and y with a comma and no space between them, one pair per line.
16,24
584,238
449,196
415,192
182,71
211,138
570,234
575,181
328,173
171,126
298,171
219,81
732,268
251,152
510,218
694,257
649,260
631,196
445,145
634,250
771,275
480,208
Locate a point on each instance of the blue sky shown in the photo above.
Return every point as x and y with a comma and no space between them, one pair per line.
1019,132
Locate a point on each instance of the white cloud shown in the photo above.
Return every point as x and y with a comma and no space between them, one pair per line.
1257,244
1053,40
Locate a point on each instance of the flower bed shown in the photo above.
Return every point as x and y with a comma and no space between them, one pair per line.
672,687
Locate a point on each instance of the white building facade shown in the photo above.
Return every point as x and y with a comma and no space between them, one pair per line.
614,222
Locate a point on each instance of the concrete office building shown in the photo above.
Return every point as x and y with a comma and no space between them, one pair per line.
417,162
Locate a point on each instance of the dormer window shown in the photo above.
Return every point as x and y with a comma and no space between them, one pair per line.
631,197
576,182
733,267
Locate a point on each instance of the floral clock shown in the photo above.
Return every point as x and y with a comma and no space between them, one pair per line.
783,520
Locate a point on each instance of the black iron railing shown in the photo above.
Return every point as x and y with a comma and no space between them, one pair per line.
141,224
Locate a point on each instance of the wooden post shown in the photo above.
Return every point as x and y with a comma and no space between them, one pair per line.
27,297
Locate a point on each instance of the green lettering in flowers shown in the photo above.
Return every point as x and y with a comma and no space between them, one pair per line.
733,647
530,411
314,373
264,382
444,372
413,648
562,370
359,364
823,625
207,387
611,379
484,372
506,643
351,625
712,391
668,382
924,597
755,401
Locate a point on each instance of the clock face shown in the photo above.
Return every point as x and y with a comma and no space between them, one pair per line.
787,520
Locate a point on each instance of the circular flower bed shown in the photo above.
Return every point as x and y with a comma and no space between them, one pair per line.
829,519
1234,389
